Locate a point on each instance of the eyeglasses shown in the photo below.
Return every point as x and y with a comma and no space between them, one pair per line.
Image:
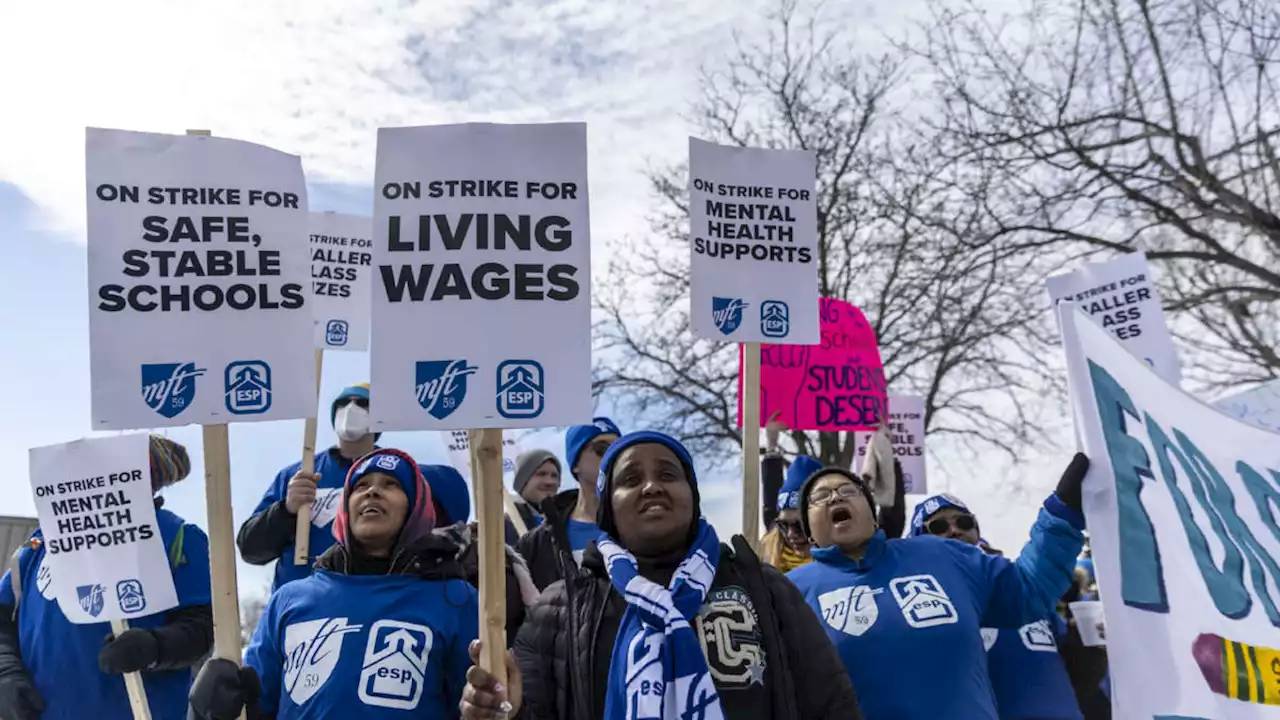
826,496
939,526
789,526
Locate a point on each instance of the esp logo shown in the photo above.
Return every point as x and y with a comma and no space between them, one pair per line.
248,387
775,319
520,389
335,333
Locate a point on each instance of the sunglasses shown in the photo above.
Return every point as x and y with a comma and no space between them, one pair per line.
939,526
789,526
826,496
361,402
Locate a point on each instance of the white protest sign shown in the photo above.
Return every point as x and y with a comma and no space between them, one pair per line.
753,235
482,285
906,432
1121,295
459,447
102,543
341,260
1181,504
198,281
1259,406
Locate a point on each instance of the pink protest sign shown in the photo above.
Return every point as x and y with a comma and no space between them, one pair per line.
837,385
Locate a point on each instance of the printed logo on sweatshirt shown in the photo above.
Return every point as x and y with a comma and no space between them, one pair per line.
311,651
325,508
44,582
923,601
1038,636
729,629
851,610
989,637
395,664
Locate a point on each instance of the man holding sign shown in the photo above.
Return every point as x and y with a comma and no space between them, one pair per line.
54,664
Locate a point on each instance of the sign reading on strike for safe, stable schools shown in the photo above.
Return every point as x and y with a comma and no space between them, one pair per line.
906,434
1121,295
482,277
341,259
1181,502
102,545
198,281
753,232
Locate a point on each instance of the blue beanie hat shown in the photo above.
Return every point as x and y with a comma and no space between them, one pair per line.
799,471
932,505
449,491
389,464
604,484
579,436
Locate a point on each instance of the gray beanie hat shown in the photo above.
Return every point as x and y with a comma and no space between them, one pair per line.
528,463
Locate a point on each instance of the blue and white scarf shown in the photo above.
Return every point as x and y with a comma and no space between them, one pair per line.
658,671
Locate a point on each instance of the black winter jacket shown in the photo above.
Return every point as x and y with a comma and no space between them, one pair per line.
546,547
564,647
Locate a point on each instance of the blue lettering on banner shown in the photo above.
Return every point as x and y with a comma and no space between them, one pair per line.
131,596
441,385
521,389
726,313
169,388
248,387
775,319
335,333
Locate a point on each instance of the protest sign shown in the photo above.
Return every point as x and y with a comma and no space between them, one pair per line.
753,226
102,545
198,284
482,285
1122,297
341,259
906,432
459,447
836,385
1258,406
1181,503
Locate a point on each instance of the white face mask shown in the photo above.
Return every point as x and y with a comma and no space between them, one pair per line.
352,422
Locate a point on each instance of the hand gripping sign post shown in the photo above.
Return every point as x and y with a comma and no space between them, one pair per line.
198,287
753,234
341,254
102,543
481,305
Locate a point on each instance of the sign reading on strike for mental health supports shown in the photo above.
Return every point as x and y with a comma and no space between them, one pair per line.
198,282
102,545
482,291
753,227
906,434
835,385
341,259
1121,295
1181,502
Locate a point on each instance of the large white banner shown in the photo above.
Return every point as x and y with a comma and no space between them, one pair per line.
753,235
102,545
1182,505
906,433
198,281
1259,406
482,297
341,264
1122,297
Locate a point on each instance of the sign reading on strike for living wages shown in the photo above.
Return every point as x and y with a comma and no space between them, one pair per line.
1181,501
482,285
835,385
198,282
341,256
753,227
102,545
906,433
1121,295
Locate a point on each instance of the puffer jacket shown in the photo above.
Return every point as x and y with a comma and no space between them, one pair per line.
546,547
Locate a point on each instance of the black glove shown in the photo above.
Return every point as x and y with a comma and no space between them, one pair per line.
133,651
1069,485
222,690
18,699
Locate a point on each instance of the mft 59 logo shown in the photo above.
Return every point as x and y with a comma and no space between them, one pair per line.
169,388
726,313
441,385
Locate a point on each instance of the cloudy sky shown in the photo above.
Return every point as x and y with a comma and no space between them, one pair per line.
317,78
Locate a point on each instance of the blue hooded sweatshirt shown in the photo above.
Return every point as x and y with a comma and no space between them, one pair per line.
333,470
62,658
336,645
1027,673
907,618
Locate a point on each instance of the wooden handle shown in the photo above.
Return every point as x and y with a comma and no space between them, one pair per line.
133,681
751,444
302,534
486,476
513,512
